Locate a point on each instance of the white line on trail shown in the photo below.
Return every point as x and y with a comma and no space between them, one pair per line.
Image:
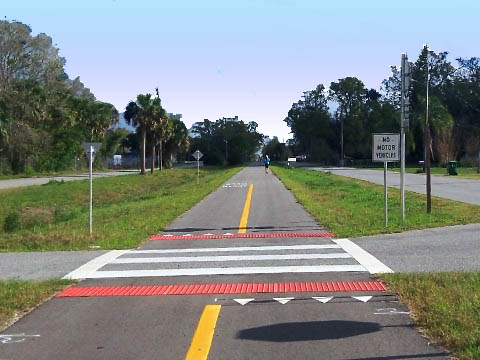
227,271
229,258
368,261
233,249
84,271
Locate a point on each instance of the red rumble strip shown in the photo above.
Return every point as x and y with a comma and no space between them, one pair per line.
238,236
210,289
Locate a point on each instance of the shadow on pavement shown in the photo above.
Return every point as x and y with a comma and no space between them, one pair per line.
308,331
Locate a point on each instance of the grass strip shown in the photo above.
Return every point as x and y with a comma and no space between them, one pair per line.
18,297
446,306
126,209
351,208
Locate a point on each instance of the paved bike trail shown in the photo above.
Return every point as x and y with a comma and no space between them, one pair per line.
265,281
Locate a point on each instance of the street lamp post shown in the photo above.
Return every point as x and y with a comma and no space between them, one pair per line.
160,155
427,142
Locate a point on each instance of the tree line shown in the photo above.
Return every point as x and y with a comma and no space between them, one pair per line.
226,141
347,113
45,116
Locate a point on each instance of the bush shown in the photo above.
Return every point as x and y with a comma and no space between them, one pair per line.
12,222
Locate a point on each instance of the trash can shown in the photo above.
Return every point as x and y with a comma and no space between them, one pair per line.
452,168
421,165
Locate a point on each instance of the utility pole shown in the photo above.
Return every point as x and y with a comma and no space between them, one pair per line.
406,76
226,151
161,131
342,161
427,142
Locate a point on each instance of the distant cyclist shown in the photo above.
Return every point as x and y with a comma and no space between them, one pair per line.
267,162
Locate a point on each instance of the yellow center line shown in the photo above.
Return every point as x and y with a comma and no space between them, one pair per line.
242,228
202,339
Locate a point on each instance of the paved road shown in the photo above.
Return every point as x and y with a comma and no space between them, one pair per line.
452,248
22,182
299,310
449,187
43,265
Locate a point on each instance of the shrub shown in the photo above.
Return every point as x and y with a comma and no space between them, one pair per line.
12,222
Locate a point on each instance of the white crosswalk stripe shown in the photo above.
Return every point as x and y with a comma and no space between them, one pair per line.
298,258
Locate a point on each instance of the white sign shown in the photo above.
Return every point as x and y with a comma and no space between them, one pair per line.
386,147
117,159
96,148
197,155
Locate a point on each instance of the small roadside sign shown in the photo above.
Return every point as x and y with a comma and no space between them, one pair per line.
197,155
386,147
91,149
88,146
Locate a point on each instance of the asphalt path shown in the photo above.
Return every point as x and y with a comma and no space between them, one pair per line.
41,180
448,187
298,324
22,182
43,265
452,248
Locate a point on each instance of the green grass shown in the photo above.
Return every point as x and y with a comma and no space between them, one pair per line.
18,297
445,305
351,208
126,209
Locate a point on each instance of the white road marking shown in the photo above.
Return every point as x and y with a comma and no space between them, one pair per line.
243,301
228,234
391,311
86,270
235,185
283,301
233,249
322,299
9,339
362,298
225,271
187,259
370,262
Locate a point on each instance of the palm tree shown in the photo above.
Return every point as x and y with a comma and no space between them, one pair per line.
158,127
140,113
179,141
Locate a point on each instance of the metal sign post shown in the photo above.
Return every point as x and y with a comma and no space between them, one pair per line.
90,150
385,148
385,190
198,155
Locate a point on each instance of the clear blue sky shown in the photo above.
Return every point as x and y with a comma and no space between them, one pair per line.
251,58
